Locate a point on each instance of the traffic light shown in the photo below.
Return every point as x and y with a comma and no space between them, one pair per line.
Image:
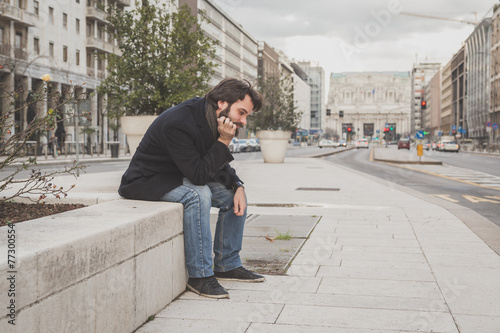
423,104
349,130
391,128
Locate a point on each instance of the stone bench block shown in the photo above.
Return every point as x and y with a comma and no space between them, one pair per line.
102,268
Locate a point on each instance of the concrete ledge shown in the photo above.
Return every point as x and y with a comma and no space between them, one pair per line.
103,268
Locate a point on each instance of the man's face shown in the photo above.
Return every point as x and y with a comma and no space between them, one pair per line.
238,111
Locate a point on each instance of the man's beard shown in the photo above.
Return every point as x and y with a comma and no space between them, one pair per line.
225,113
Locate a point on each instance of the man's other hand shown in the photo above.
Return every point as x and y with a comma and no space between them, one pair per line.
240,202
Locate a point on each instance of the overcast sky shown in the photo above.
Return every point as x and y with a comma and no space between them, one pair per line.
361,35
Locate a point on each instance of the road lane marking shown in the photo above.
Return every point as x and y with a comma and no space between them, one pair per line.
474,199
443,176
445,197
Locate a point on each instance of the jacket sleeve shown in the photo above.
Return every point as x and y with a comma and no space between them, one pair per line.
227,177
184,147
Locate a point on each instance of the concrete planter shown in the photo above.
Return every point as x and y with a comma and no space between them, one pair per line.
274,145
102,268
135,127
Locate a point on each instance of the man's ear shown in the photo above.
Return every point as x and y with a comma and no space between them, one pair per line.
222,105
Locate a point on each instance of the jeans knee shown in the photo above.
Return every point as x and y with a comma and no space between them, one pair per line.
201,194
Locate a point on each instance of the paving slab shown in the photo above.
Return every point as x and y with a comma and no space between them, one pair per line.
359,318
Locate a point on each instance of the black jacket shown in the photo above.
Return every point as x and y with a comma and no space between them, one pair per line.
177,144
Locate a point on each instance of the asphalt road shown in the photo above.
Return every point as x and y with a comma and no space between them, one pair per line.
483,200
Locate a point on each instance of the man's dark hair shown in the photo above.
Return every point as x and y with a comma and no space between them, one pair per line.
231,90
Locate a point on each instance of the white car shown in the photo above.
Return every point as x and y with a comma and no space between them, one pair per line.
234,146
327,144
362,143
450,146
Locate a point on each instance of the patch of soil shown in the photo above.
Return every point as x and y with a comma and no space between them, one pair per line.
11,212
268,267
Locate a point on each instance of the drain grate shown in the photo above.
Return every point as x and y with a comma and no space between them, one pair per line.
317,189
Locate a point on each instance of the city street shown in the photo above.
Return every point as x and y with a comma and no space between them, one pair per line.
444,183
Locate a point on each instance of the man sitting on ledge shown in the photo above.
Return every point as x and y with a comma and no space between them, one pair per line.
184,157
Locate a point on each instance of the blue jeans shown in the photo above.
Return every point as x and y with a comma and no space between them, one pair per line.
228,239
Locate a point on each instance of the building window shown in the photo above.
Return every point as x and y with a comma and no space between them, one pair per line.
65,21
77,1
77,24
1,36
51,49
36,45
36,8
19,40
51,15
65,53
89,29
90,60
77,57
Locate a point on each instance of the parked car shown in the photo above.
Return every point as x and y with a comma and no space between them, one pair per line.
342,143
245,146
450,146
404,143
234,146
327,144
434,145
255,144
427,145
362,143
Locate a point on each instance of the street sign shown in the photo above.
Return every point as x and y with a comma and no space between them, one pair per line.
453,127
495,126
488,124
420,134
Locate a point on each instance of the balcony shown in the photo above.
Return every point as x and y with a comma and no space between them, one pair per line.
20,54
17,15
124,2
100,45
96,14
5,50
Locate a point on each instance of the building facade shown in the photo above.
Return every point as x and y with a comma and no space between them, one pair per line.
315,78
432,109
237,51
458,92
478,65
446,101
65,39
421,74
367,102
495,78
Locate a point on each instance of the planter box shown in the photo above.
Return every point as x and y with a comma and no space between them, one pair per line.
103,268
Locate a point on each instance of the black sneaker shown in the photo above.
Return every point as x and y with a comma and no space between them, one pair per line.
240,274
208,287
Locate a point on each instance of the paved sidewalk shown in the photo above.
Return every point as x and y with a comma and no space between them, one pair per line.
378,260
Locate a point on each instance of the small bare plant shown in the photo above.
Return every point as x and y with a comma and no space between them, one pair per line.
14,150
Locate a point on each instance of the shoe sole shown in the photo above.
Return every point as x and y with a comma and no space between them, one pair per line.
242,280
207,295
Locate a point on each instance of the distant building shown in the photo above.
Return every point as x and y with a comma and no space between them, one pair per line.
432,110
315,77
366,102
459,92
478,84
268,60
446,101
495,75
421,75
